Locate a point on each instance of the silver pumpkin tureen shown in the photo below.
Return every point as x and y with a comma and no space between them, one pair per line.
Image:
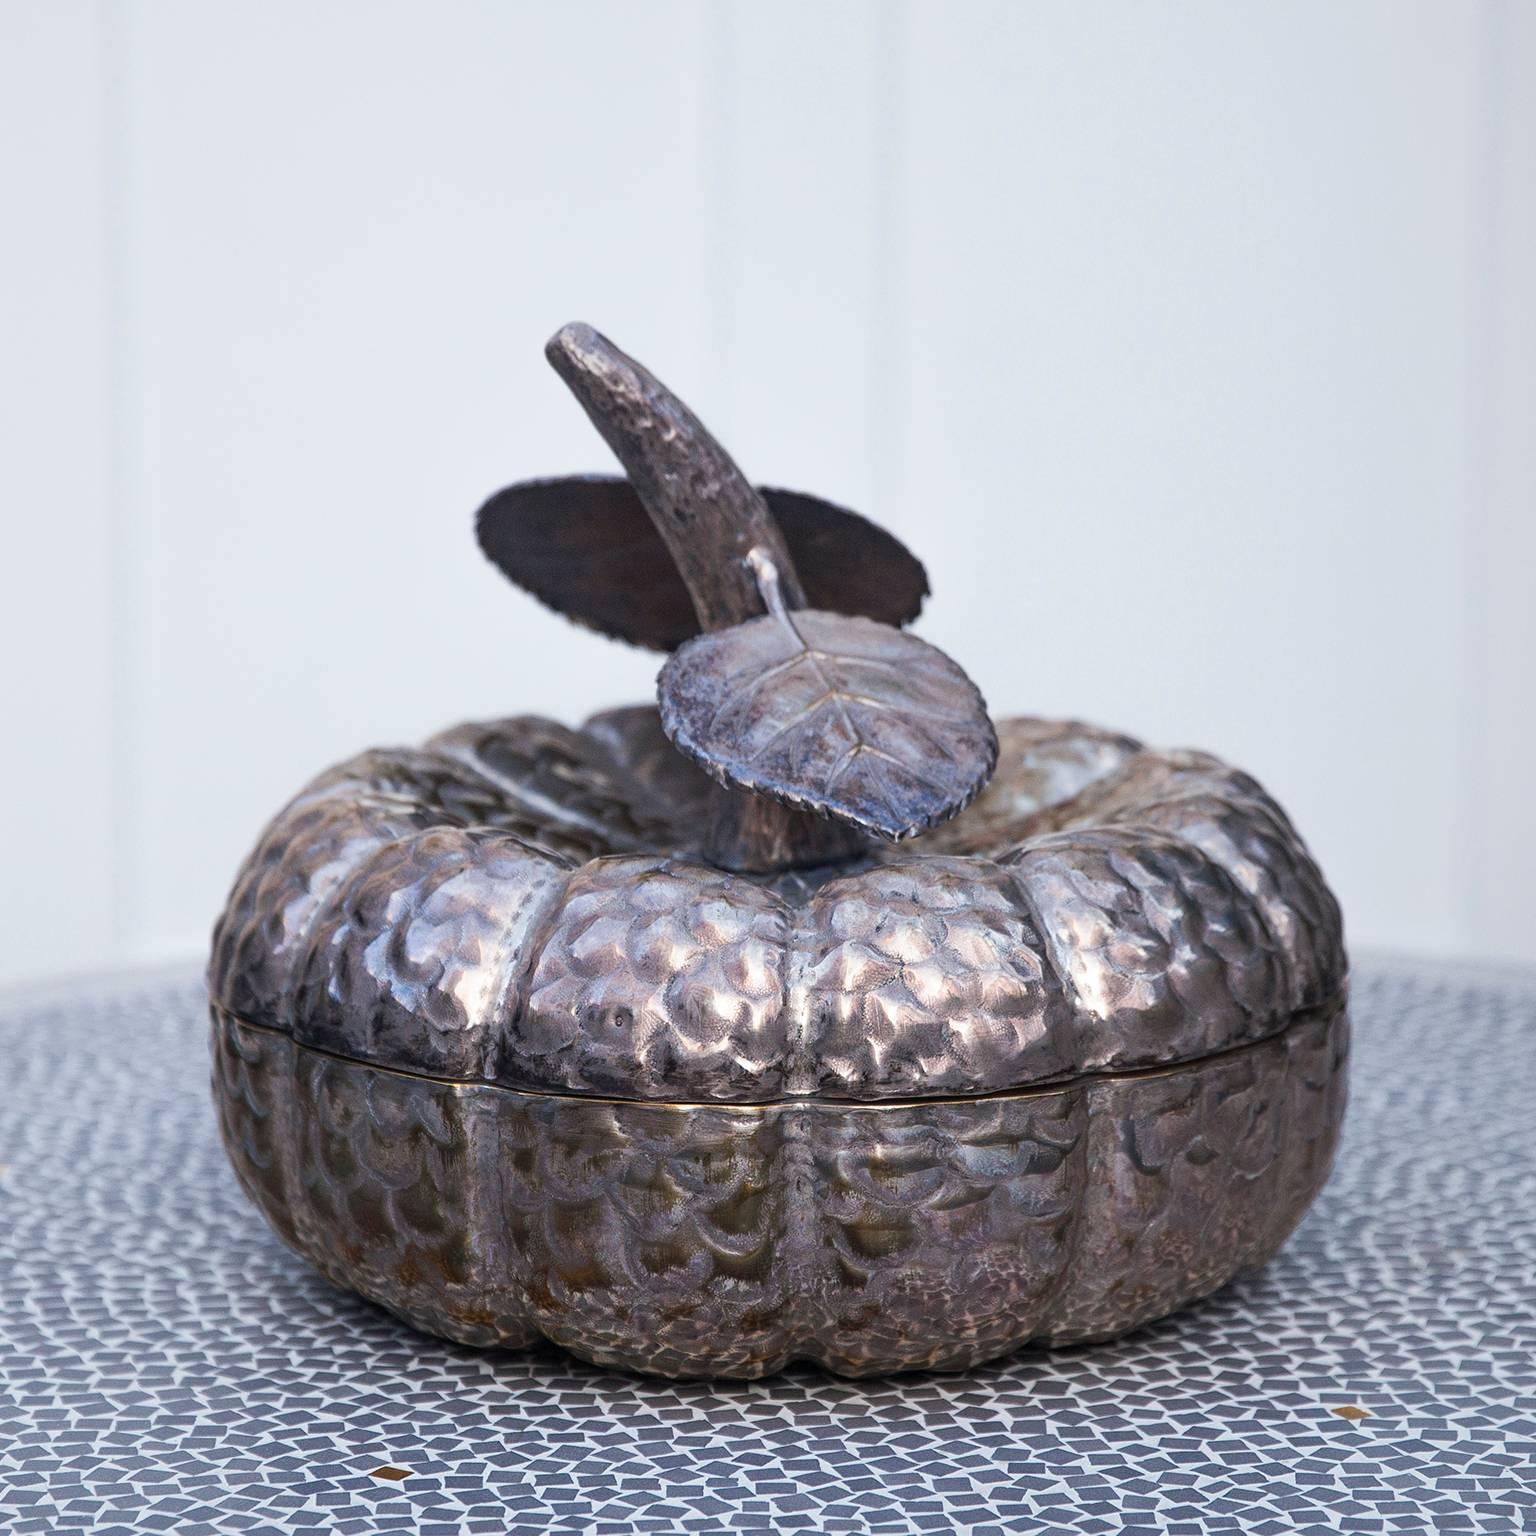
806,1015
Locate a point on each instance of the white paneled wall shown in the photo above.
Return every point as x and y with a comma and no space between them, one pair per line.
1193,345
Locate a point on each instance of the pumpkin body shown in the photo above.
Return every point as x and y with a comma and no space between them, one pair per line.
495,1048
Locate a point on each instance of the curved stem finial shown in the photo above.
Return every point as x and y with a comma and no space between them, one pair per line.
722,537
709,513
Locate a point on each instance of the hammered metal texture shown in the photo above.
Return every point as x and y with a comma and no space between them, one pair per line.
496,1048
519,902
714,1240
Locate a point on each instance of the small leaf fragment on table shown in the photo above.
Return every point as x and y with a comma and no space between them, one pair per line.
829,713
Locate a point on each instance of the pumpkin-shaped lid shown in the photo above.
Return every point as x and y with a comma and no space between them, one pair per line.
522,903
800,875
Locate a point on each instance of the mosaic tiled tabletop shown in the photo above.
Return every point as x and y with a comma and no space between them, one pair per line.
168,1367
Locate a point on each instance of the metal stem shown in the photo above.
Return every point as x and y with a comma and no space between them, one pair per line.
712,520
709,513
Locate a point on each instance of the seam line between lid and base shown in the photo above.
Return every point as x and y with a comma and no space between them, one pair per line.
1327,1012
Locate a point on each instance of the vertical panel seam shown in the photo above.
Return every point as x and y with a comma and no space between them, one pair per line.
721,174
889,330
1487,93
123,597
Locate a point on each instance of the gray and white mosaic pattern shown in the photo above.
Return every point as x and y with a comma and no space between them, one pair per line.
169,1367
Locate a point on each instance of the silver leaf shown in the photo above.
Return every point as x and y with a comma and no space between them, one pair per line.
833,714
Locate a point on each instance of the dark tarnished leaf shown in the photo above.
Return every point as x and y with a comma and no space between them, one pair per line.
842,716
584,546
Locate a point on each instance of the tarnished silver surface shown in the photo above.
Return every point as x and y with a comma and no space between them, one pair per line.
727,1240
433,911
396,964
535,1031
